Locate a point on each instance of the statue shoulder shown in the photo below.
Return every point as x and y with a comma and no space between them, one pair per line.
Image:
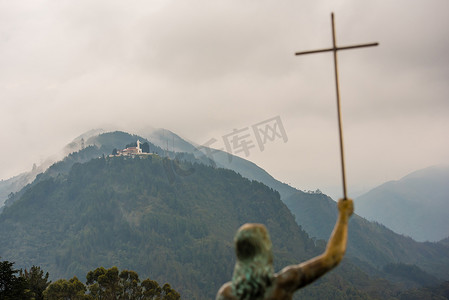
290,278
225,292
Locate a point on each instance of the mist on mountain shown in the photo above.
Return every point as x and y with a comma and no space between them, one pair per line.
417,205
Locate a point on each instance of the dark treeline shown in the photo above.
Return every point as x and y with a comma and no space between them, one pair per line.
101,283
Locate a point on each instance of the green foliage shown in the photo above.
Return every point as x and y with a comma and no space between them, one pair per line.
169,294
145,147
110,284
36,281
104,284
11,286
72,289
439,292
410,272
126,285
129,281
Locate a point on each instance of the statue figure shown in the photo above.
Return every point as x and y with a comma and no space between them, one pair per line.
254,277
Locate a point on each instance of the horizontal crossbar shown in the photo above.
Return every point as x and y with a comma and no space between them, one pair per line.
337,49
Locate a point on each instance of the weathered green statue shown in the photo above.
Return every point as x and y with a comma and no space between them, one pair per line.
254,277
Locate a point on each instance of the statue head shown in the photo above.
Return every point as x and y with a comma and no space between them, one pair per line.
253,272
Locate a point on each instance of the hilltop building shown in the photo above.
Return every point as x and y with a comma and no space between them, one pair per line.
130,151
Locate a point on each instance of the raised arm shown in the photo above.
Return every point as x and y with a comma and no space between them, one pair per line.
297,276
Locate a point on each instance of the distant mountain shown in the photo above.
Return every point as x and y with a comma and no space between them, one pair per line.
445,242
162,141
16,183
416,205
124,212
13,185
373,245
93,144
168,140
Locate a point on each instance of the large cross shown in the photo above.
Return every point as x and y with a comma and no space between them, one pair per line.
335,49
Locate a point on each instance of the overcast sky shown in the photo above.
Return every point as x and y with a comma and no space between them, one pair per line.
204,68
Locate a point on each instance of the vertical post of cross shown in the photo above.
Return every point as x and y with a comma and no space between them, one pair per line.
340,126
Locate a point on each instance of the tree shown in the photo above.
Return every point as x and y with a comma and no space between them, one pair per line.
36,281
169,293
130,285
110,284
11,286
145,147
151,289
72,289
104,284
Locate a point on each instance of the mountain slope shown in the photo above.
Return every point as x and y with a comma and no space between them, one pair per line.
124,212
218,158
87,146
416,205
370,243
16,183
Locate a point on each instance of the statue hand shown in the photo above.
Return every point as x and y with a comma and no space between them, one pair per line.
346,207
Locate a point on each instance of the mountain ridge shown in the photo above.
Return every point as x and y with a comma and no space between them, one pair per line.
417,205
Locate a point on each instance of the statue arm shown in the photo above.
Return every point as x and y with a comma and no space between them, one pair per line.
297,276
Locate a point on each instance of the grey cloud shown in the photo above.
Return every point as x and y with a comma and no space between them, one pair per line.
202,68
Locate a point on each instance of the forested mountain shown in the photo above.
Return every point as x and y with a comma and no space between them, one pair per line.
417,205
90,145
161,141
124,212
75,217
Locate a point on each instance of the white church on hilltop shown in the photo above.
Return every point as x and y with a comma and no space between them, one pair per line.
130,151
